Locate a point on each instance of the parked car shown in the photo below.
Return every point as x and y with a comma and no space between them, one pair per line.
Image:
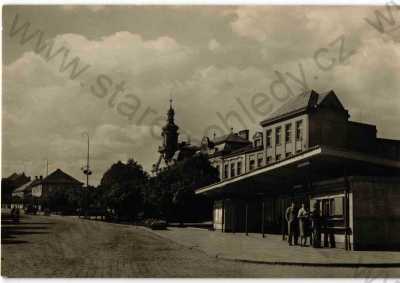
156,224
30,209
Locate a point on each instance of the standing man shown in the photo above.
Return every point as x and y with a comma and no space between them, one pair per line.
316,225
291,217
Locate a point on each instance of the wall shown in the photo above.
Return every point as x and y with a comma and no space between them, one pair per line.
376,213
37,191
328,127
361,137
389,148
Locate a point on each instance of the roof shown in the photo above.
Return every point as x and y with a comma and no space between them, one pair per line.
59,176
23,187
232,138
299,103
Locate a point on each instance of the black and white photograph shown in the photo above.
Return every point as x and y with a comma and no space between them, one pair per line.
200,141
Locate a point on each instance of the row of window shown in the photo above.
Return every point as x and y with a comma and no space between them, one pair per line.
288,134
235,168
230,168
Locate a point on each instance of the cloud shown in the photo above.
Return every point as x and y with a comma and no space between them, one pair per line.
213,44
212,67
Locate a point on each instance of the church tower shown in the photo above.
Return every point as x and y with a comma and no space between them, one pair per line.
170,136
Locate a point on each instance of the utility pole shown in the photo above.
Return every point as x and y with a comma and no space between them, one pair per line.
47,167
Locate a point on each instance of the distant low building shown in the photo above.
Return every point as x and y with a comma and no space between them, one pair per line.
10,184
38,190
19,195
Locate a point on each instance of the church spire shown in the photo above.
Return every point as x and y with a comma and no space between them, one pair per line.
170,135
171,112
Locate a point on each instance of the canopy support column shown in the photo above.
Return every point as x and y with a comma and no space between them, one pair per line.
246,220
263,218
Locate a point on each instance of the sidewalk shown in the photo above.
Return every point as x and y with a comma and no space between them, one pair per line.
273,250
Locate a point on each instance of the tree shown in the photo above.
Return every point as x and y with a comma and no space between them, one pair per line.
64,200
7,188
171,193
122,187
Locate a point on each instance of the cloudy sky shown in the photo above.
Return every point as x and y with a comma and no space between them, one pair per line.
213,61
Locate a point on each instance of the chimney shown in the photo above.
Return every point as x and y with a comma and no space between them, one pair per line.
244,134
36,177
41,177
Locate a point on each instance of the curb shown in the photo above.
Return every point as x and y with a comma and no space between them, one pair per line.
315,264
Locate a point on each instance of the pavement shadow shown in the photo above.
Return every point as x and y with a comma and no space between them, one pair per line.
13,232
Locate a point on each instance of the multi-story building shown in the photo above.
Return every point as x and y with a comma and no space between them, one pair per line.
309,152
309,120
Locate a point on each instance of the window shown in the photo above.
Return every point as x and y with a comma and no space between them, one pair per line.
257,142
269,134
218,168
278,135
288,133
226,171
232,170
239,168
288,154
252,164
332,207
269,159
278,157
299,130
259,161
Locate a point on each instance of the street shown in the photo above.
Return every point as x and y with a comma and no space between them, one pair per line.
57,246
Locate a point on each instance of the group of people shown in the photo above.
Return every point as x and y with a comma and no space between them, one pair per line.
303,223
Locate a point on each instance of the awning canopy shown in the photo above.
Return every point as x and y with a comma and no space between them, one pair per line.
316,164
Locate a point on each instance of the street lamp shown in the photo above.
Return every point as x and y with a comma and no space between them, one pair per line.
86,170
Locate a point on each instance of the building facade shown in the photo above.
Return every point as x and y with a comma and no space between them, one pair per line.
308,151
35,192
